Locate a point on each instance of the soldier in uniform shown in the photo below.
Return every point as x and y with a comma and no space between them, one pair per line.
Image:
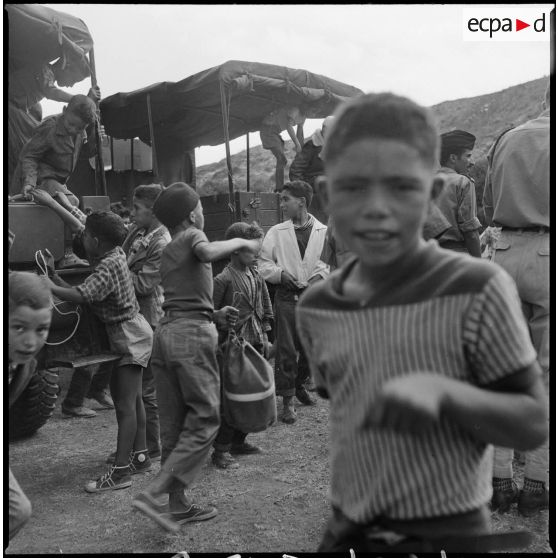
516,198
457,200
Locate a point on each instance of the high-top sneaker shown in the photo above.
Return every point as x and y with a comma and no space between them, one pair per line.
114,479
140,462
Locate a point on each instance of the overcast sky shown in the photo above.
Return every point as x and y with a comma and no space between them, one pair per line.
414,50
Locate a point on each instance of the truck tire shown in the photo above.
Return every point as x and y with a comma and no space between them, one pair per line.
34,406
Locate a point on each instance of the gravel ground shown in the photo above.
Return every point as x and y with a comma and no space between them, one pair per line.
274,502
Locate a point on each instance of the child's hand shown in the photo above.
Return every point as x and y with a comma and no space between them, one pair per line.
254,244
410,403
226,317
42,197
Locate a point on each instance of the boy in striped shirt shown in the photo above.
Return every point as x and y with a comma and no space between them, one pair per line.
423,352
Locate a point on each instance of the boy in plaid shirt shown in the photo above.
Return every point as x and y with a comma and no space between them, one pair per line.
110,293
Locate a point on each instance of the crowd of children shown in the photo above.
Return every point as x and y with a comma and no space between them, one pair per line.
423,353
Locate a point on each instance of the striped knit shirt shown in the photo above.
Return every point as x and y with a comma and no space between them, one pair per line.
453,315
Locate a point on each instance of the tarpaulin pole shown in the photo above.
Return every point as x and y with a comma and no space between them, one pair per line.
132,155
225,114
99,155
247,161
152,136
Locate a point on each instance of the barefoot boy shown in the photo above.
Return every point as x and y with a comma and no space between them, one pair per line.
423,352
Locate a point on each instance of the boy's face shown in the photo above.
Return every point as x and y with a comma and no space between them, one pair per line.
73,123
464,163
290,205
379,190
27,332
199,220
247,257
142,214
90,244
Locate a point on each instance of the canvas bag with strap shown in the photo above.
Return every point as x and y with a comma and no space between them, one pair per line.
248,387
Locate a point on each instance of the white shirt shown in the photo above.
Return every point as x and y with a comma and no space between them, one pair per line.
280,252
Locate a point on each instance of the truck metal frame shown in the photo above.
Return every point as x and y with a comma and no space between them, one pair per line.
209,108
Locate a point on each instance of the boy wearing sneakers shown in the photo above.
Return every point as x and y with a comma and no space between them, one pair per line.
423,352
109,291
241,285
184,357
89,382
143,247
290,258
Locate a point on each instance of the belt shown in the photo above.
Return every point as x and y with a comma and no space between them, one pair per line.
540,230
187,315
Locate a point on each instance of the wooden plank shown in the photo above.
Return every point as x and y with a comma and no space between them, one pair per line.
267,218
214,204
80,362
266,200
217,221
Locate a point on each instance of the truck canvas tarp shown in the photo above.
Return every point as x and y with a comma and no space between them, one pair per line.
39,35
194,110
213,107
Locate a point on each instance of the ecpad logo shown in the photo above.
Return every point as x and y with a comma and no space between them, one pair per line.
493,25
507,24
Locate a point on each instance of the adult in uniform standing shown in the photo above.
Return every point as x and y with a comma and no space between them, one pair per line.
457,200
516,198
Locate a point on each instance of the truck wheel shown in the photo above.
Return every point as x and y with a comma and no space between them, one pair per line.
35,405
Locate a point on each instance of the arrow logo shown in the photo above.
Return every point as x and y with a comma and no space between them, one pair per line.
519,25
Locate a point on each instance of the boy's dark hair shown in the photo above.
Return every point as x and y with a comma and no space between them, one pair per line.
385,116
107,226
28,289
175,203
148,193
120,209
300,189
244,230
84,107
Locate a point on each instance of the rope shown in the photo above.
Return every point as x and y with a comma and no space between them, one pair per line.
42,265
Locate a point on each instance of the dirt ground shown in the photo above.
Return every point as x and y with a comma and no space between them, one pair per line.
275,502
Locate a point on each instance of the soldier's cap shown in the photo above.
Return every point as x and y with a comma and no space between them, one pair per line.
457,140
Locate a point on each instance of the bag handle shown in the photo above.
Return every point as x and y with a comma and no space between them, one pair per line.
231,333
235,301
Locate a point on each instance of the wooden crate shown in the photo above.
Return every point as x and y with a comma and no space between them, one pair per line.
220,213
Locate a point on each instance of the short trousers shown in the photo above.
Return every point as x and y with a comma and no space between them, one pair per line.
53,187
133,339
271,138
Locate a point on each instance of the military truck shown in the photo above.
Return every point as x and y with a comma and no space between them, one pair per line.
151,136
